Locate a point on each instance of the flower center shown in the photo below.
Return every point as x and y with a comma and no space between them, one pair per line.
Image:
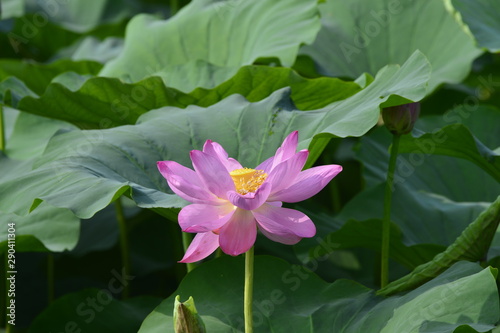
247,180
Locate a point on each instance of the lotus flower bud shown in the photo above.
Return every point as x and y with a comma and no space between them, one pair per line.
186,318
400,119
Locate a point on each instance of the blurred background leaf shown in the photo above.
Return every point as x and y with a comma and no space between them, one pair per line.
202,44
365,35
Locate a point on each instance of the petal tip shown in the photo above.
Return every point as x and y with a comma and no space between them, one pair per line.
337,168
185,261
294,134
292,138
206,144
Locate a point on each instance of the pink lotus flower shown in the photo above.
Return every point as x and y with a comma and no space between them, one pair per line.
231,202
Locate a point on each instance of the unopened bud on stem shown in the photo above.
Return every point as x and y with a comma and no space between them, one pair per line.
400,119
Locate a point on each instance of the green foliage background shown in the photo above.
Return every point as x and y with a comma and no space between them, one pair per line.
93,95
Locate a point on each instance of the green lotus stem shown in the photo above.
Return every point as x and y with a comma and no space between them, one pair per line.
186,240
50,278
248,292
124,247
386,224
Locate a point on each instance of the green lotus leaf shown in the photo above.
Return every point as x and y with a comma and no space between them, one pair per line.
86,170
202,43
365,35
95,310
87,102
289,298
483,19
